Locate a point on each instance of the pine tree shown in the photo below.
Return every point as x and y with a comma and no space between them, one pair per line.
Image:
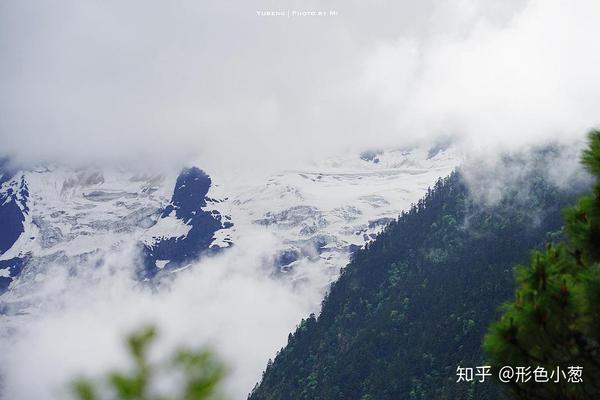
554,321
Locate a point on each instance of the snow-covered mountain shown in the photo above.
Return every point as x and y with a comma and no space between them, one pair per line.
59,216
55,215
328,209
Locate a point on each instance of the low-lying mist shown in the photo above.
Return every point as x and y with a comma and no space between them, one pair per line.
232,303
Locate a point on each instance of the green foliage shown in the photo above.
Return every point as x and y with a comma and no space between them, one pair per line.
199,372
416,302
554,320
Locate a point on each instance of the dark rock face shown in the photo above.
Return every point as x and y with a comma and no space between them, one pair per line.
189,197
13,207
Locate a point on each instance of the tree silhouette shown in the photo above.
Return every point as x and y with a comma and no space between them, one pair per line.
554,321
199,371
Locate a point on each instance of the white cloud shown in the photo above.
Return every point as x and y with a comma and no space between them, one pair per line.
217,83
230,302
497,87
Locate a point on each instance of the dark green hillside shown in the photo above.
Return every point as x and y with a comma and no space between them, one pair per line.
416,303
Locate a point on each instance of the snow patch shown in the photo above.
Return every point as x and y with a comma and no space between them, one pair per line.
166,227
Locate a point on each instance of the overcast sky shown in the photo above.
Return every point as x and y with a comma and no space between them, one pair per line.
216,83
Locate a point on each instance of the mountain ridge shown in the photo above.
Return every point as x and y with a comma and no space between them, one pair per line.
383,334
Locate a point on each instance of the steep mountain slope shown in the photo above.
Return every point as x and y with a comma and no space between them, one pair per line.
415,303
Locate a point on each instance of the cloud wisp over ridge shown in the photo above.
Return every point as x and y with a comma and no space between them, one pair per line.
219,83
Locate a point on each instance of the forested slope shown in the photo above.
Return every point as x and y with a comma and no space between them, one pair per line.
415,303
